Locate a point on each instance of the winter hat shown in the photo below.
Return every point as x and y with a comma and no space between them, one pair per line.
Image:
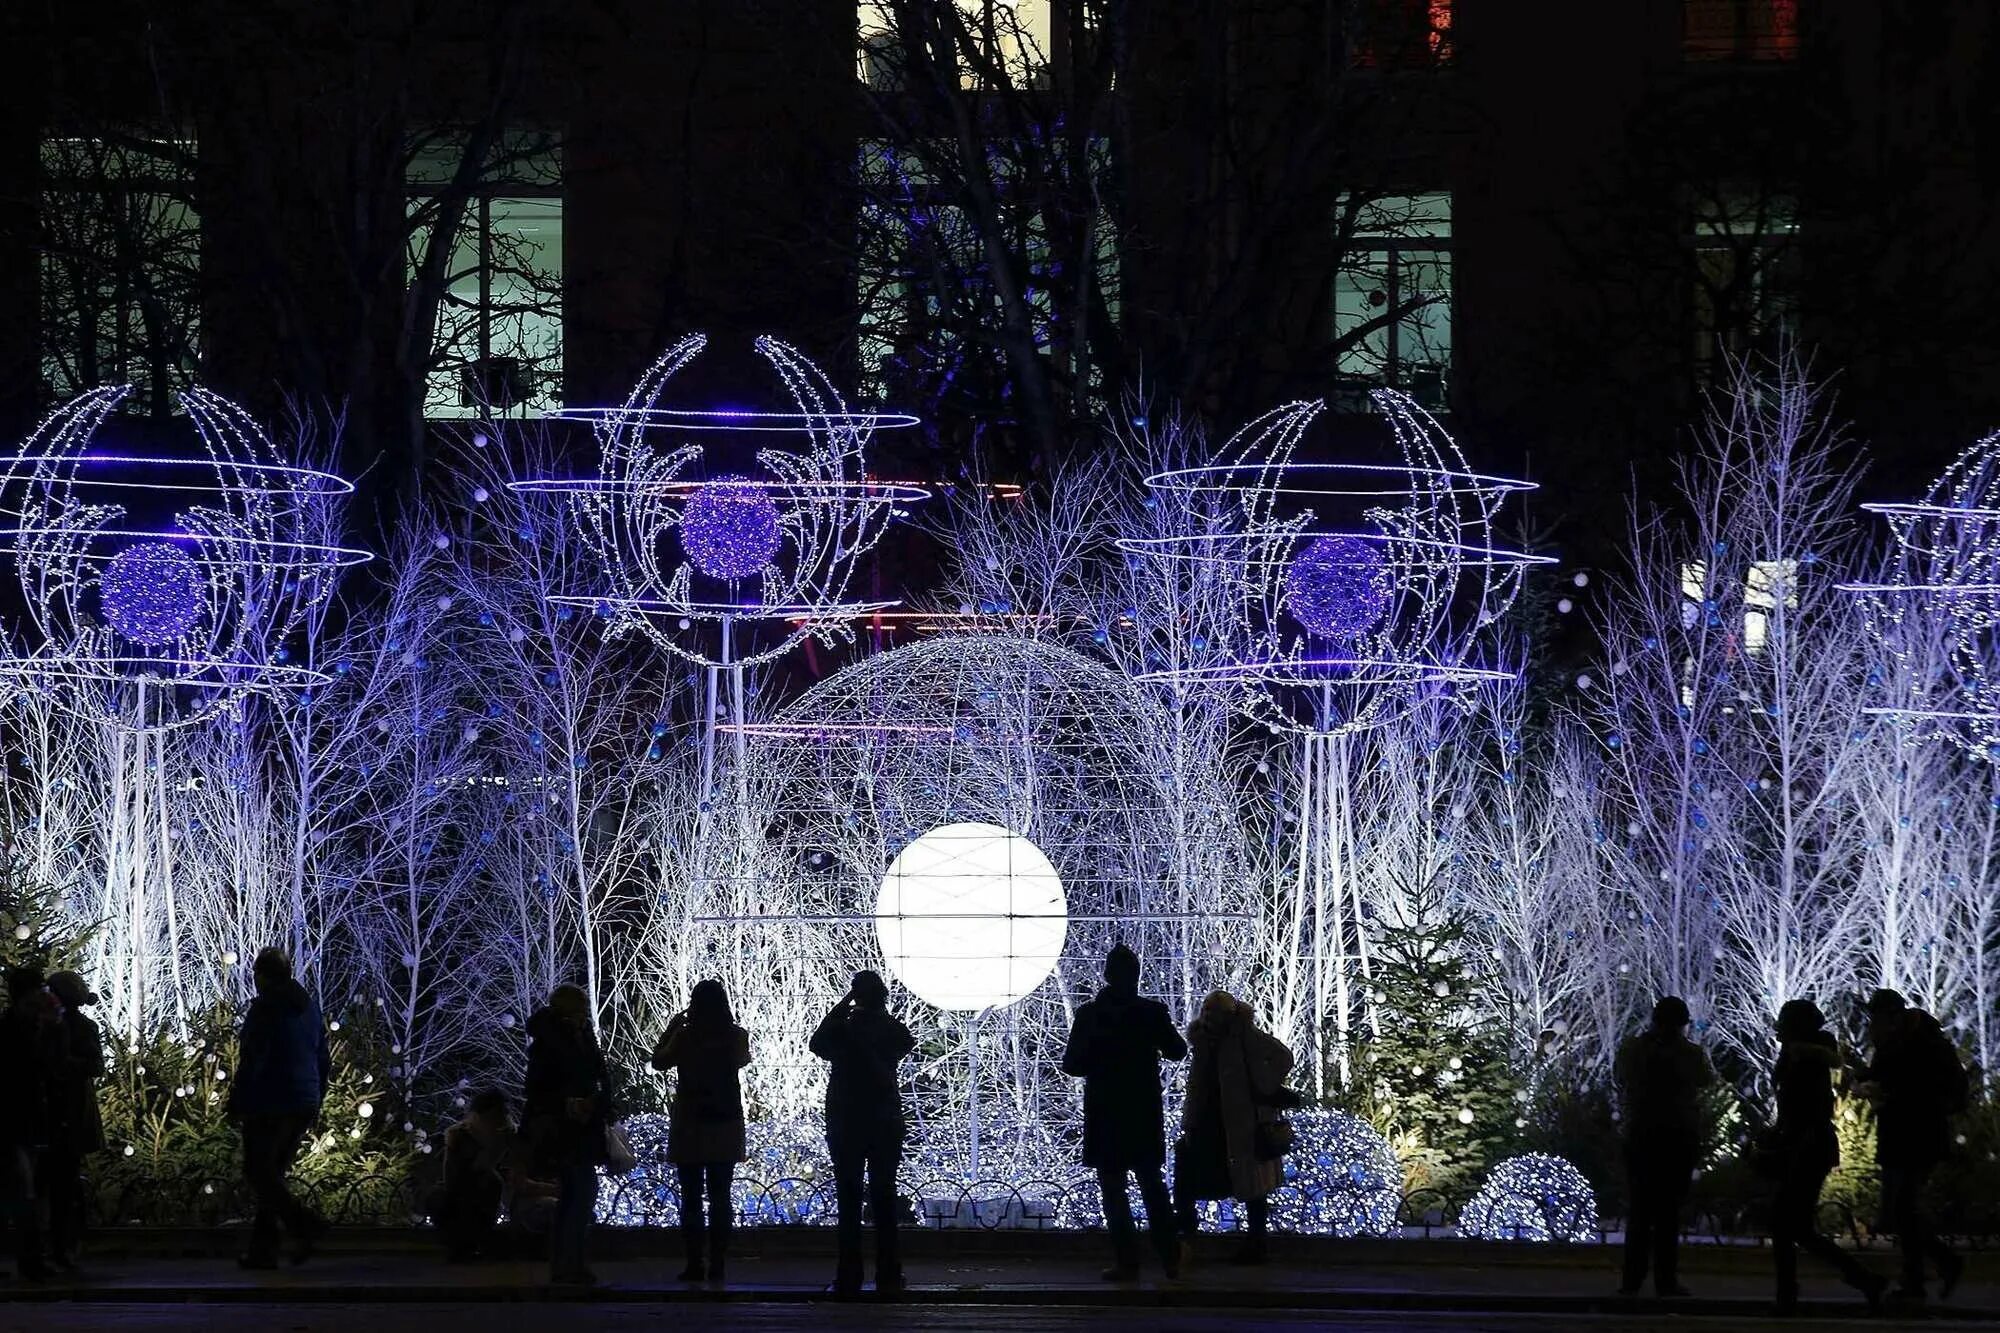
69,988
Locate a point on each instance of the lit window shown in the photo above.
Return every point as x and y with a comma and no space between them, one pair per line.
498,346
120,270
1399,34
1392,296
1746,270
1765,584
1005,43
1741,29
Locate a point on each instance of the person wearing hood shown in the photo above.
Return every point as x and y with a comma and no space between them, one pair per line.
1660,1076
1235,1093
1115,1046
78,1125
565,1111
1916,1083
282,1068
864,1042
705,1130
1805,1150
30,1055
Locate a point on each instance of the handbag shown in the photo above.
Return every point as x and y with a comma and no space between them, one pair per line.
619,1159
1275,1138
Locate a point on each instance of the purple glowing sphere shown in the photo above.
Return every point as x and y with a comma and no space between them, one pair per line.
1338,587
730,528
152,594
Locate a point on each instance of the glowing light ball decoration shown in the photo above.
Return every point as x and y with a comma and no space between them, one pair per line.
731,529
1340,1179
963,814
1536,1197
152,594
971,917
713,564
1338,588
1947,576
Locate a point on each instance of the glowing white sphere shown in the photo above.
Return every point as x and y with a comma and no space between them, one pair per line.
971,917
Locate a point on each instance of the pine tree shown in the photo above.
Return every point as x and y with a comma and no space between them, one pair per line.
1431,1068
35,929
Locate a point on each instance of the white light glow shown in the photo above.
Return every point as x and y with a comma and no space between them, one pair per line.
971,917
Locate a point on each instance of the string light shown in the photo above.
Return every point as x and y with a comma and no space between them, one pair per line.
152,594
1537,1197
731,529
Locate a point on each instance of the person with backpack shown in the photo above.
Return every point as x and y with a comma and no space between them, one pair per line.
1917,1083
864,1043
1802,1151
1660,1076
1115,1046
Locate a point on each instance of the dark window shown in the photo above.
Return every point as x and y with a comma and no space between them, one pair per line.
1741,29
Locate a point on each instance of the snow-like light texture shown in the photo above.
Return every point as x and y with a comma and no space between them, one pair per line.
1534,1197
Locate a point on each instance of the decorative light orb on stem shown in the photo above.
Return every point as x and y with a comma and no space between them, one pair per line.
1338,588
731,528
152,594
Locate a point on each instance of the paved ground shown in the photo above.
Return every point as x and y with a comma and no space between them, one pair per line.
1053,1285
770,1318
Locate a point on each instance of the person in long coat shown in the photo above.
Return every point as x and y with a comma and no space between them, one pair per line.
78,1124
864,1043
565,1109
1913,1080
705,1131
1228,1147
1806,1150
1115,1046
31,1053
1660,1076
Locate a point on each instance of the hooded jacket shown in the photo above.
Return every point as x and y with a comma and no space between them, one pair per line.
1115,1047
1232,1087
282,1060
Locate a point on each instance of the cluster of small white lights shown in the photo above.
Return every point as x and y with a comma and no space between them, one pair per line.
1535,1197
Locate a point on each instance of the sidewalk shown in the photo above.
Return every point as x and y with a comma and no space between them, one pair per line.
1417,1276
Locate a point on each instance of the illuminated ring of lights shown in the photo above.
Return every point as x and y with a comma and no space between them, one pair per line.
1934,714
682,418
823,730
320,483
1919,509
241,675
1172,548
1193,480
651,606
311,554
882,492
1948,589
1299,671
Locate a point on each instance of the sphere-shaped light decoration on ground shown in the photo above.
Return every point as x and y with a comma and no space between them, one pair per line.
731,529
1340,1179
1338,588
160,583
700,528
1363,587
1940,601
1534,1197
971,917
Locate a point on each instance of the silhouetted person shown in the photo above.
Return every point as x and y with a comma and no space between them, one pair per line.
1660,1077
1807,1150
78,1128
282,1065
705,1138
864,1043
481,1160
1916,1083
30,1054
1235,1099
565,1111
1115,1047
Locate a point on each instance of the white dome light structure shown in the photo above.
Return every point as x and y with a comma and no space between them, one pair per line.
971,917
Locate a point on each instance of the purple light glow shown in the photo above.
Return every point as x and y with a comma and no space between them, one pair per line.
730,528
151,593
1338,588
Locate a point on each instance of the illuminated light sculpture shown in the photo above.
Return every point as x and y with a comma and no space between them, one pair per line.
1340,1179
1029,766
159,587
731,529
1364,590
1947,573
1536,1197
971,917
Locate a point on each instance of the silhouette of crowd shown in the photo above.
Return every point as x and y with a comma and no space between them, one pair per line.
1232,1141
